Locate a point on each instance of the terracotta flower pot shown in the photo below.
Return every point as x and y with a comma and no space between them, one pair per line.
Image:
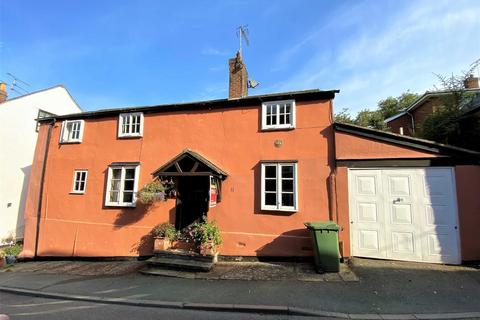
2,262
183,245
161,244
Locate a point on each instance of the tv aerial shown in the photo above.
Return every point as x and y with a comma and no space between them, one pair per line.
16,87
242,32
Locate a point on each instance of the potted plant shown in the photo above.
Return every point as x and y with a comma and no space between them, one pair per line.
151,192
11,252
209,237
163,235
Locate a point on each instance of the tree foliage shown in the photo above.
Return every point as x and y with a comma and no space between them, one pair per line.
375,118
449,124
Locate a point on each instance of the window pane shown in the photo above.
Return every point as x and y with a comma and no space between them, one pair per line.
128,185
113,196
287,199
271,199
269,120
129,173
128,197
270,171
270,185
287,171
282,119
282,108
116,173
82,186
287,185
77,186
84,175
287,119
115,185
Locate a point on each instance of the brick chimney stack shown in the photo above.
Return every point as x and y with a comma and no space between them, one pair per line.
3,92
238,78
471,82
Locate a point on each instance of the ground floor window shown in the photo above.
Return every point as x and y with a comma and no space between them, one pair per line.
79,181
122,186
279,186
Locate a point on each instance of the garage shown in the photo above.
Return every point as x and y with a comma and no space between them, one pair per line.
402,198
404,214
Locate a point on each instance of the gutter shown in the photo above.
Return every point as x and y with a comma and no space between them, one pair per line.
413,121
42,182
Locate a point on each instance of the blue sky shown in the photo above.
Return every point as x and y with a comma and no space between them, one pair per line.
123,53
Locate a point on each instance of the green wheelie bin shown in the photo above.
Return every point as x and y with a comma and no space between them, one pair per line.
325,241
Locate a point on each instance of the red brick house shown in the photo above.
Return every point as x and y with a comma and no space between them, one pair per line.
411,119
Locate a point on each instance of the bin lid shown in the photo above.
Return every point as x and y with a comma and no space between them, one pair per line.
322,225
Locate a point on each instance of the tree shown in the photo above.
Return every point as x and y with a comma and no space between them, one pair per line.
371,119
448,124
344,116
385,109
391,105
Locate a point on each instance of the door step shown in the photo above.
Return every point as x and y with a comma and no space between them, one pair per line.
166,262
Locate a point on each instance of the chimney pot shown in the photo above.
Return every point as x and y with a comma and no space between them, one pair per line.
3,92
471,82
238,78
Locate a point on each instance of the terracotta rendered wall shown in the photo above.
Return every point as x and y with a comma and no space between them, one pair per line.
80,225
468,186
31,205
350,147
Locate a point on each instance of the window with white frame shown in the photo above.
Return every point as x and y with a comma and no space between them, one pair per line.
130,124
278,115
122,185
72,131
279,186
79,181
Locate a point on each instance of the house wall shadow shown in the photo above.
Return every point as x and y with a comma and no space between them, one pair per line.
23,198
295,241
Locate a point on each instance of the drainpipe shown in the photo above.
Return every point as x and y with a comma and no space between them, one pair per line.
413,122
42,182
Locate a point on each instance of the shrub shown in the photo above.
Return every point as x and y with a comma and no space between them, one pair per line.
13,250
165,230
208,231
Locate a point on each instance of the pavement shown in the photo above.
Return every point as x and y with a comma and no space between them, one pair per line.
382,289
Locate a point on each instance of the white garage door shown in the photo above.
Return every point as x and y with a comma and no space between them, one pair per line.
404,214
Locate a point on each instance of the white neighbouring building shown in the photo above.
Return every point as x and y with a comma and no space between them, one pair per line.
18,138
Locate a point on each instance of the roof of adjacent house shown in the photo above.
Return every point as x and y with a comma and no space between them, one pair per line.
43,90
424,98
406,141
305,95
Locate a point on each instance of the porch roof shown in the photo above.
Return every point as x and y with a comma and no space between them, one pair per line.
190,163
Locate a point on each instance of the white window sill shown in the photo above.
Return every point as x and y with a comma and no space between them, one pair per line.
77,192
277,128
70,142
123,205
266,208
130,136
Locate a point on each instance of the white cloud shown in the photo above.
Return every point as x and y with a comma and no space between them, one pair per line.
384,60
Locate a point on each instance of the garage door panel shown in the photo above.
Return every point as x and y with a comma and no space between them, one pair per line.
367,212
404,214
369,241
403,243
401,214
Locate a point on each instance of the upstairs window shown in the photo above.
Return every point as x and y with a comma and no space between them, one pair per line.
279,186
130,124
278,115
79,181
122,185
72,131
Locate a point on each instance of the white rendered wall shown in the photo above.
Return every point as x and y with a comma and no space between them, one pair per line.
17,145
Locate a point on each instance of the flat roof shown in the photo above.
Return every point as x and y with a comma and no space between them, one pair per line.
305,95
